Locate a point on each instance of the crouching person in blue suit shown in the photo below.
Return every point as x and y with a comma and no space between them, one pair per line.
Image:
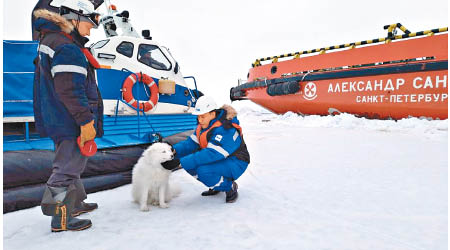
215,153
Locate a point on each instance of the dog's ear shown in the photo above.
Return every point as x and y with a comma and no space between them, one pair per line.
151,149
170,145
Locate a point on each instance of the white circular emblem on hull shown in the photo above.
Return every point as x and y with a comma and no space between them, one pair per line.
310,91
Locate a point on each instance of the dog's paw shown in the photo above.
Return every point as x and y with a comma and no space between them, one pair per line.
145,208
165,205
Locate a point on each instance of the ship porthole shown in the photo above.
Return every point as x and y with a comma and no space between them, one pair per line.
186,92
273,70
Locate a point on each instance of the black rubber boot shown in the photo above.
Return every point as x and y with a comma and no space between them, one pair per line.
232,195
210,192
80,206
83,207
58,202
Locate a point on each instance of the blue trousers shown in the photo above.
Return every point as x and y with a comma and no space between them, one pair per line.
219,175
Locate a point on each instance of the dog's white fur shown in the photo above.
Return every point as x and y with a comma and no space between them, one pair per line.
150,181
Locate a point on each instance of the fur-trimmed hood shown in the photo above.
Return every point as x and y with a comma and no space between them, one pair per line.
231,112
64,24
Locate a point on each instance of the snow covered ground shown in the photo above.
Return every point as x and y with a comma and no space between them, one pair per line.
313,183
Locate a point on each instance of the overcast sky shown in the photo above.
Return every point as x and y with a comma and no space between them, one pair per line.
216,41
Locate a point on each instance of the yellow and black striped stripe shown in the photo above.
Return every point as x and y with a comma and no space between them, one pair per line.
390,37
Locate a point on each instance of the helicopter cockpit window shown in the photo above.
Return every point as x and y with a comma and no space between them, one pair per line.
125,48
100,44
152,56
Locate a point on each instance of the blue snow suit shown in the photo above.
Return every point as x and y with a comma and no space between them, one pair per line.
65,94
225,157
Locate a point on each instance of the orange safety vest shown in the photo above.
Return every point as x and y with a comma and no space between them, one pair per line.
202,137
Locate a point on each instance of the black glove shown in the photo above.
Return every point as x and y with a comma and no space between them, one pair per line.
170,165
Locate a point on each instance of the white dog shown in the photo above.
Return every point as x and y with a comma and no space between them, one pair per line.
150,181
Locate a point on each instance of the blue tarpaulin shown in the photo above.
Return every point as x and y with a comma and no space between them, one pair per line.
18,73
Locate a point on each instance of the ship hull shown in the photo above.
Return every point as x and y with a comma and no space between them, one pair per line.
387,81
418,94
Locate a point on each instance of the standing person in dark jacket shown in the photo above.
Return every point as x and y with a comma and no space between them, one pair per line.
216,153
67,104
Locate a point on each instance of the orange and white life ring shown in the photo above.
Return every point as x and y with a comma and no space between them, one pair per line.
127,91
